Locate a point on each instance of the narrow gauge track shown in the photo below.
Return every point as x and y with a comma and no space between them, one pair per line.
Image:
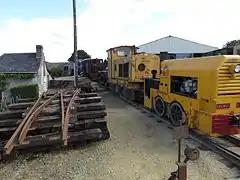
204,140
38,131
233,139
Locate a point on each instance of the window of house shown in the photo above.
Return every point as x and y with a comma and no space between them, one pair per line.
185,86
65,68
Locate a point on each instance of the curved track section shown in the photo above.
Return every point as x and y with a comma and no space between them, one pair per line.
55,120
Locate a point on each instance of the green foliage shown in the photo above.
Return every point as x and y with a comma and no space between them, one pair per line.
231,43
26,91
4,77
81,55
55,72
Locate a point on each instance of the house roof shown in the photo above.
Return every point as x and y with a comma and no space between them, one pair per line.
173,44
19,63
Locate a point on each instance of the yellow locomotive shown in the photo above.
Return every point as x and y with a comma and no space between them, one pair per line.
205,90
127,70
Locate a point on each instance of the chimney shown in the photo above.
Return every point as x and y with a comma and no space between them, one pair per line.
39,52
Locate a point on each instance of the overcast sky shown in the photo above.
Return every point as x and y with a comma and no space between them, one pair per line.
106,23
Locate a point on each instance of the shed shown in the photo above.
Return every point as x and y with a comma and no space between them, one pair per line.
174,45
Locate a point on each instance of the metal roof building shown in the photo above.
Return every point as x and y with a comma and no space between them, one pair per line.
174,45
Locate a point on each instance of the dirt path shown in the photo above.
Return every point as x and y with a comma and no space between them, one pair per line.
139,149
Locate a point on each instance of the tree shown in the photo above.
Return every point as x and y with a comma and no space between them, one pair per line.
56,72
81,55
232,43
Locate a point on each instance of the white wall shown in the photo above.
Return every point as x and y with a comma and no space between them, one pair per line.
43,78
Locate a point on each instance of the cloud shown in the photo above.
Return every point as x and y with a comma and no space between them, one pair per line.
107,23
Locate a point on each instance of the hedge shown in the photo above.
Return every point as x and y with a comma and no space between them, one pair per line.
26,91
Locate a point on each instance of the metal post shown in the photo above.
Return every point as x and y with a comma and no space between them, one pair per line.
179,146
75,44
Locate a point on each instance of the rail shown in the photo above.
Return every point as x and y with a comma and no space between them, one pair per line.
11,142
67,117
33,117
20,133
233,139
204,140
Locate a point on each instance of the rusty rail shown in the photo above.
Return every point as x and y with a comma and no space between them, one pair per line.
62,108
11,142
33,117
21,132
67,117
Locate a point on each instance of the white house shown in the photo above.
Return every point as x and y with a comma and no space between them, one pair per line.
25,63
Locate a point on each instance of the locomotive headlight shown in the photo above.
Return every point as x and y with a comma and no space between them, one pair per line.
234,69
237,68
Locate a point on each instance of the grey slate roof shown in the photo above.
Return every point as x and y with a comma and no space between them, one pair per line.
173,44
19,63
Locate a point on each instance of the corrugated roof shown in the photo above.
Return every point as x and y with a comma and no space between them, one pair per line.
19,63
173,44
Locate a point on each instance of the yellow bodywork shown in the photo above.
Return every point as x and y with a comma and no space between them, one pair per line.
134,78
217,86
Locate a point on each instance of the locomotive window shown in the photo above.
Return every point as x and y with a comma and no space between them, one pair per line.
185,86
124,51
141,67
120,69
125,69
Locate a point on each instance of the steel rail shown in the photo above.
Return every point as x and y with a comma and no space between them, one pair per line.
67,117
10,143
231,156
33,117
233,139
62,108
204,140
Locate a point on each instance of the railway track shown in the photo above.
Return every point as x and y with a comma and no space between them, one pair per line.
57,119
202,139
233,139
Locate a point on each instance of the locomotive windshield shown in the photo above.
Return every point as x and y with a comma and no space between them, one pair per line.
124,51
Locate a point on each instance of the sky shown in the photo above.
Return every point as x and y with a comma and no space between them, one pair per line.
103,24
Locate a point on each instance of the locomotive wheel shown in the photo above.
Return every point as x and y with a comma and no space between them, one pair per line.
159,106
176,114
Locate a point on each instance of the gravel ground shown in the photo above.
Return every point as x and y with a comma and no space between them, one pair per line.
139,149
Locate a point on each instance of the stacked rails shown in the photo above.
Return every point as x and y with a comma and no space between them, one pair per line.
56,119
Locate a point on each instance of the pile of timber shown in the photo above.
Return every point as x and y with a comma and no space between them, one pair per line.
86,124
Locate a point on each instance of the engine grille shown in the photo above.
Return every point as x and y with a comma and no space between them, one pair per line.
227,84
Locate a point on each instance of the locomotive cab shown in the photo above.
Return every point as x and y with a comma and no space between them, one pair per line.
206,90
127,70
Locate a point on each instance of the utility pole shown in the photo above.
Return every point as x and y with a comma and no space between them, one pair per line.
75,45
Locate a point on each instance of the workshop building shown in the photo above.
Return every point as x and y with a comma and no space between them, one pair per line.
176,47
